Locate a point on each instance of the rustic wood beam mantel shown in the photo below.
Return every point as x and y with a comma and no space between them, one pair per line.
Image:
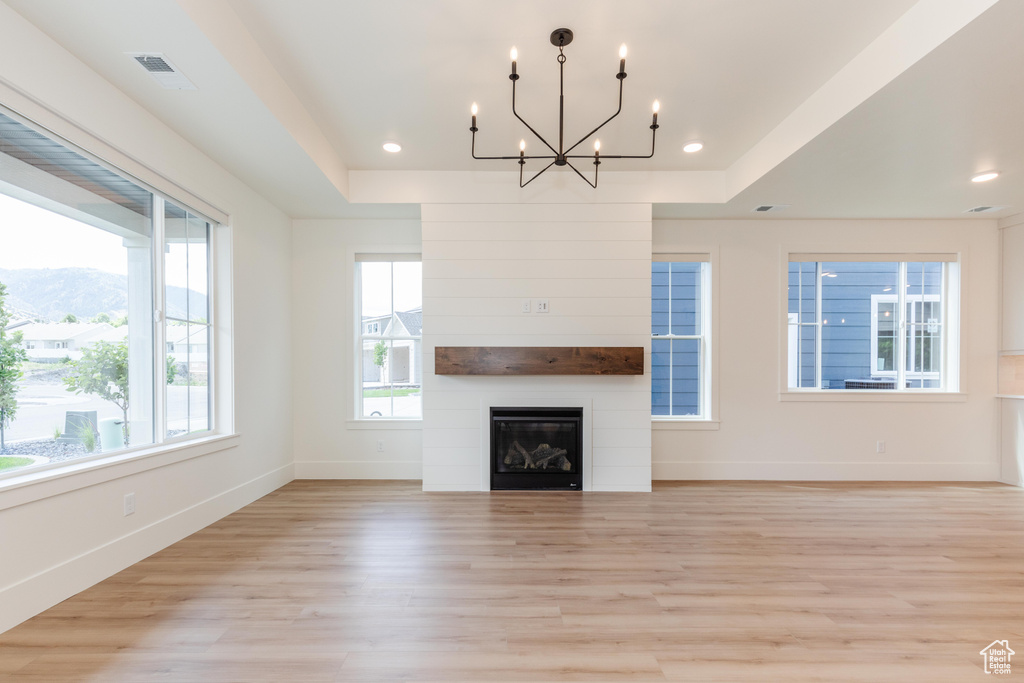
539,360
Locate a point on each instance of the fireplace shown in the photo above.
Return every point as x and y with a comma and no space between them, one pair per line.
537,448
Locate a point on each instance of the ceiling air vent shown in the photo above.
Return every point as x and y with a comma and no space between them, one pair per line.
765,208
162,71
985,209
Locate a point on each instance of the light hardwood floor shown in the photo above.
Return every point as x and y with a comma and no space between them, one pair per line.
345,581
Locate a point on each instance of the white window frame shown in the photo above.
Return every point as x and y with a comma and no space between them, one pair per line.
163,451
951,362
160,332
707,409
361,334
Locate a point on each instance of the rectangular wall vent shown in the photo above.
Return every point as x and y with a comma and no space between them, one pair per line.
162,70
765,208
985,209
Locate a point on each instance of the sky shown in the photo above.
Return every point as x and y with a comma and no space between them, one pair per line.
32,237
376,287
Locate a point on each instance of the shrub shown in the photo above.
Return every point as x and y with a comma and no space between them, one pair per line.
88,437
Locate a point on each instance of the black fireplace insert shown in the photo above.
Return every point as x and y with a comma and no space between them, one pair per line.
537,448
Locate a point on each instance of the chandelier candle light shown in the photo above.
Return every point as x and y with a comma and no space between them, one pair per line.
561,156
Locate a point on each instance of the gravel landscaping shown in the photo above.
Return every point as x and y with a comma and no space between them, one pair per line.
46,448
54,451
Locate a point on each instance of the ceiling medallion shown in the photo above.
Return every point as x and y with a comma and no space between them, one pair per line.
561,157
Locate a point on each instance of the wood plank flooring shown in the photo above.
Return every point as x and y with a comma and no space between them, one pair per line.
737,581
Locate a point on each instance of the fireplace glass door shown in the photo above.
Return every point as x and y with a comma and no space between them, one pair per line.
536,448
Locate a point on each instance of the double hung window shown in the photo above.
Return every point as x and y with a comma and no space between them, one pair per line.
680,330
187,320
390,322
872,324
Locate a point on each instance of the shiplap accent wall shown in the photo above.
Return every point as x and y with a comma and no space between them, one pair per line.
592,263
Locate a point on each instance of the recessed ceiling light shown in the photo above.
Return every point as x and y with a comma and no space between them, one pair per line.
392,147
983,177
693,146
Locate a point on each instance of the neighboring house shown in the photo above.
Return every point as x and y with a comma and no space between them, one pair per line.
859,336
52,342
403,365
188,345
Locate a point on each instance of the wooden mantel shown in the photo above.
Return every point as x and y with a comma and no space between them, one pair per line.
539,360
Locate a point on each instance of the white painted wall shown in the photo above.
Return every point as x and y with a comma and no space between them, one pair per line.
1011,410
761,437
474,286
61,536
329,443
592,263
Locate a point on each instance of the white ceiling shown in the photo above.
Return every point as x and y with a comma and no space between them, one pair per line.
820,104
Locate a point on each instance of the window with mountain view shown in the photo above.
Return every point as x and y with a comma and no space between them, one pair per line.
83,367
390,319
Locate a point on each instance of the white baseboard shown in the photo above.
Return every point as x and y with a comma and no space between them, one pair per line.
331,469
822,471
37,593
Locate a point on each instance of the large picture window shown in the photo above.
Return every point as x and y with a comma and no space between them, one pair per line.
104,314
680,353
872,325
390,318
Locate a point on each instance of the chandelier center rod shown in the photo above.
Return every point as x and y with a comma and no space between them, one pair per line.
560,159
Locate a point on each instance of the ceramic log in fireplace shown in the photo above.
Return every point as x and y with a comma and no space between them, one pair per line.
537,448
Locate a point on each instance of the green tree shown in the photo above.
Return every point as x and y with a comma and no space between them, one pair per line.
11,358
69,318
102,318
103,371
380,356
120,322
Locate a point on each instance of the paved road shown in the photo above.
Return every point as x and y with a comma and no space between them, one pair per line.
42,408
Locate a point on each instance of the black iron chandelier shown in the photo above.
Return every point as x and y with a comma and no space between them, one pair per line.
561,37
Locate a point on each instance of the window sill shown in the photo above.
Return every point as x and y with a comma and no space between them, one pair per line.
854,395
1014,397
409,423
37,484
685,425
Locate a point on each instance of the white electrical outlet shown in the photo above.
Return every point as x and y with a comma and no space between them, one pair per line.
380,445
540,306
879,447
129,504
525,306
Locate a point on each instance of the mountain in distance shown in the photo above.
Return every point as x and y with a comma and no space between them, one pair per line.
51,293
